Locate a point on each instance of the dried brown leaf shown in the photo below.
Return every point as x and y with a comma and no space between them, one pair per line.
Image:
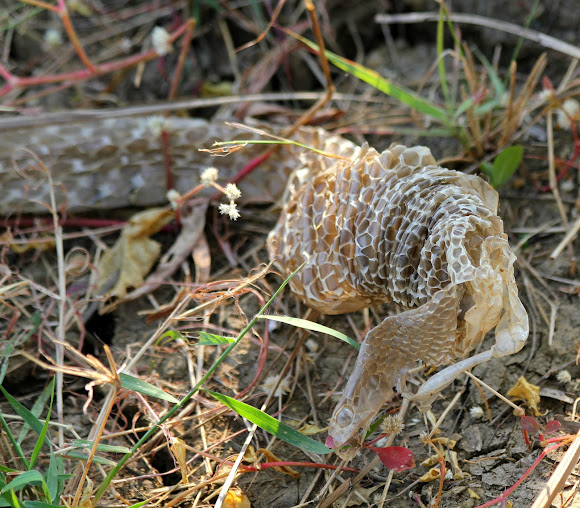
526,392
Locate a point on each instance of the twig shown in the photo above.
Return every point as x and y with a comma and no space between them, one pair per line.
519,410
88,115
472,19
572,233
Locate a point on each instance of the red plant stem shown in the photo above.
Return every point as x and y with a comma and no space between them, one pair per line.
167,160
83,74
73,37
190,25
42,5
504,496
267,465
247,169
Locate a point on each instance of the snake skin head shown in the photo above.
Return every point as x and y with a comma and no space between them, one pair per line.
352,415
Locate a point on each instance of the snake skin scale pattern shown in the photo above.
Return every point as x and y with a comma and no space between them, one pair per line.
377,227
394,226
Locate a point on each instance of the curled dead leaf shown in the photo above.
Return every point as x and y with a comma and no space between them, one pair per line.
526,392
178,450
235,498
433,474
134,253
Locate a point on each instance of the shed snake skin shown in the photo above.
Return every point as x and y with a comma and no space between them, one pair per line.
379,227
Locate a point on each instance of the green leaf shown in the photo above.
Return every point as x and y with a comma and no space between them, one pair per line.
271,425
383,84
15,445
24,480
137,385
171,335
209,339
505,164
314,327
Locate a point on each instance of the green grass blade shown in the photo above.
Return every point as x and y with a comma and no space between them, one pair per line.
271,425
115,470
41,504
96,459
31,420
26,479
52,481
41,438
139,504
13,442
383,84
314,327
440,61
10,345
84,444
37,408
137,385
209,339
498,87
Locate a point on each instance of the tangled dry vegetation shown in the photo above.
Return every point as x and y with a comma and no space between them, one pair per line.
142,371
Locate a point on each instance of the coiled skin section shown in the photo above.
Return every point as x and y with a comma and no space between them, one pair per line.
394,226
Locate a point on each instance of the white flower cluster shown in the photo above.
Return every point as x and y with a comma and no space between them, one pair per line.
209,178
161,41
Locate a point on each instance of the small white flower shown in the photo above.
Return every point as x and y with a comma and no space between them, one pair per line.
209,176
230,209
476,412
53,38
161,41
173,198
546,95
564,377
570,109
270,382
232,192
157,124
311,345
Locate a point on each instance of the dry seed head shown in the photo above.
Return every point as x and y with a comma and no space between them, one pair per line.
161,41
270,382
564,377
53,38
476,412
392,424
230,210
